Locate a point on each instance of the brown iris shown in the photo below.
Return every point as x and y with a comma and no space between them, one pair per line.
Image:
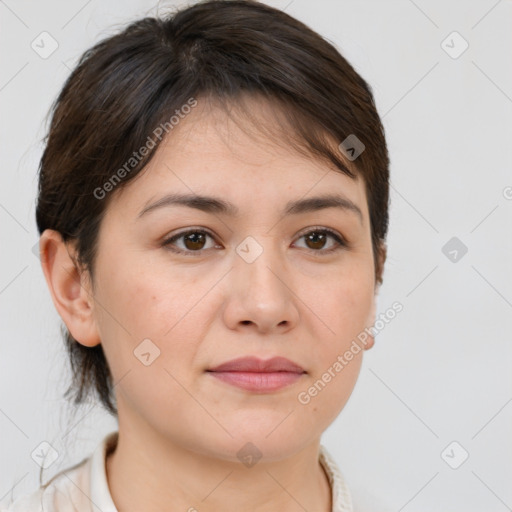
318,239
195,241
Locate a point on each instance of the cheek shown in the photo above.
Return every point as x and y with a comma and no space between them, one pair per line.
145,301
344,307
327,392
339,354
345,310
136,305
148,335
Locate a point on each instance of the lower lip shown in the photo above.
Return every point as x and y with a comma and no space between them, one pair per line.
262,382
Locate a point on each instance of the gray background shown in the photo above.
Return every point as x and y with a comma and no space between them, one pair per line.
441,370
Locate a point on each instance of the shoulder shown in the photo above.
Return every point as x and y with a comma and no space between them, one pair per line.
66,491
28,502
79,488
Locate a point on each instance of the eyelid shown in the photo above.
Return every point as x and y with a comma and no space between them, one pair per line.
331,231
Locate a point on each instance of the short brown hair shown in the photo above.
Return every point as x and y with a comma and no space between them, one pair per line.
130,83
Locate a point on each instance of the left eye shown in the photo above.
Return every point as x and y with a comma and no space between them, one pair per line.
317,237
194,241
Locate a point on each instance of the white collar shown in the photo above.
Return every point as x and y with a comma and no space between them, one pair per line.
100,493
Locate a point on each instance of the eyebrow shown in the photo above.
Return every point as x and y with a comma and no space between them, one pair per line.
217,205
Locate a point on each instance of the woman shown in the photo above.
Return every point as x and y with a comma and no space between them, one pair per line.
213,208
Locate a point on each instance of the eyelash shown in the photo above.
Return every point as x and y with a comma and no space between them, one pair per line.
341,243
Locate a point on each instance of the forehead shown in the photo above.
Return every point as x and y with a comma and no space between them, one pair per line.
246,161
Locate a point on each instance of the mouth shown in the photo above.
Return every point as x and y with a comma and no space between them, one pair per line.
257,375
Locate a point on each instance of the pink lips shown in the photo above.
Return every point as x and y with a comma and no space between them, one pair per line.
255,374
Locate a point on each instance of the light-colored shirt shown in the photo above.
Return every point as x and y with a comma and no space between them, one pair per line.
84,487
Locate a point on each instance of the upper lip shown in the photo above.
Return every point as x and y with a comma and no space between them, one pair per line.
254,364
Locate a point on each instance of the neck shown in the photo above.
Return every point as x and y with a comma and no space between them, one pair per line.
148,472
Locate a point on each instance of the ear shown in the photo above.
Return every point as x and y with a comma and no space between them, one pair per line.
70,289
382,253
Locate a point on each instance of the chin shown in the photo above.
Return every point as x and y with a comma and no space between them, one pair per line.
266,438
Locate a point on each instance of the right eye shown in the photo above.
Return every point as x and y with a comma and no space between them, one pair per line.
194,240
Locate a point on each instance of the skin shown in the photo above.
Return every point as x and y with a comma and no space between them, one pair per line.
180,428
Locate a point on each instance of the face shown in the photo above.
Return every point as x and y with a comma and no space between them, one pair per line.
259,282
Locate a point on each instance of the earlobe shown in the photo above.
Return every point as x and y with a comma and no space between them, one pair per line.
370,340
71,294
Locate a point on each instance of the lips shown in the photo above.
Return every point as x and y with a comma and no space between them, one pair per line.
256,375
254,364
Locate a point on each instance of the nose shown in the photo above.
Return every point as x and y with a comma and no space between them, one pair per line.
262,293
